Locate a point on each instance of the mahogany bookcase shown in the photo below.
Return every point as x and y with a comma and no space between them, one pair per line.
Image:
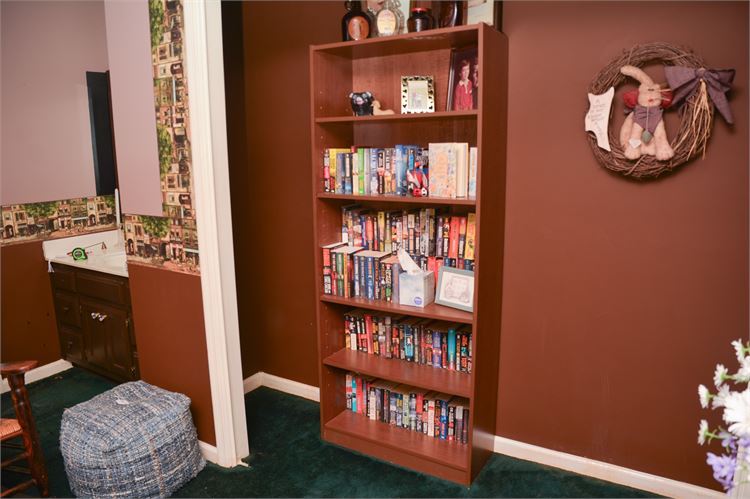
377,65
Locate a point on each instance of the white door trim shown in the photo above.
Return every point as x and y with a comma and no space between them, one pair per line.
204,68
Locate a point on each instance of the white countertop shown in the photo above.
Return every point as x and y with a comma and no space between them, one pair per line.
112,263
104,250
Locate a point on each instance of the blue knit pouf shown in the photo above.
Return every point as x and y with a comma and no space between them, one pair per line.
135,440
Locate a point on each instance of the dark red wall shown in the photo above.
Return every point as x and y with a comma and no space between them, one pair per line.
171,338
269,154
29,331
619,297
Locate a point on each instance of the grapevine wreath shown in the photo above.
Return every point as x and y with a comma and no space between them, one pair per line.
696,91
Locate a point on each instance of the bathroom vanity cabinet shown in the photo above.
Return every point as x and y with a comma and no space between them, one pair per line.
94,321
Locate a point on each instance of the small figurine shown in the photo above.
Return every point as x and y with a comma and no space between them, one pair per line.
377,111
361,103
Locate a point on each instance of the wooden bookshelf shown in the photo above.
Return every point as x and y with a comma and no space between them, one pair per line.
377,65
401,371
401,200
431,311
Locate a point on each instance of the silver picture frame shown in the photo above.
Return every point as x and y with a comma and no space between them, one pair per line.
417,94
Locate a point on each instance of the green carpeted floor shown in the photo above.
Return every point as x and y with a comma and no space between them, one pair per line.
288,458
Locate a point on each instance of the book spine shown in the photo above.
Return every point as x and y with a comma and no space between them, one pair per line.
444,349
368,333
437,356
386,326
453,238
443,419
340,173
408,343
451,422
361,171
472,189
326,170
381,171
412,411
431,418
348,385
356,275
461,237
388,347
451,349
471,234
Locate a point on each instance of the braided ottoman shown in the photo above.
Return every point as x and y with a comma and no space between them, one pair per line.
135,440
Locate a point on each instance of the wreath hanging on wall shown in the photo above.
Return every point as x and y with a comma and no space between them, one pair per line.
642,149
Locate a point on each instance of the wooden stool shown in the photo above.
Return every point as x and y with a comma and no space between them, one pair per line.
23,426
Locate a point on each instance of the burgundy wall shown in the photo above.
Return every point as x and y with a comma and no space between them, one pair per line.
29,331
171,339
619,297
270,179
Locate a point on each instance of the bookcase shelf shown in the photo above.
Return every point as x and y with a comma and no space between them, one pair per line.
377,65
431,311
440,115
399,199
401,371
404,447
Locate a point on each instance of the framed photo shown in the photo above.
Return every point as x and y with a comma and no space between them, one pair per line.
463,81
455,288
417,94
482,11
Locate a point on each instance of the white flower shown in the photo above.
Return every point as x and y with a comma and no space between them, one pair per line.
720,374
718,399
703,396
739,350
737,412
743,375
702,430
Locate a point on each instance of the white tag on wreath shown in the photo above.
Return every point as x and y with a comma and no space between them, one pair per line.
597,118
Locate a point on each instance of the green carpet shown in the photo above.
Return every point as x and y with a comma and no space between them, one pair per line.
288,458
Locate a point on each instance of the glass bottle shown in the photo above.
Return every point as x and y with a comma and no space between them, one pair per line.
451,14
387,21
419,20
355,25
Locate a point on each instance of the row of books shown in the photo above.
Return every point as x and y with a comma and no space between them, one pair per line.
431,413
353,272
420,232
443,169
422,341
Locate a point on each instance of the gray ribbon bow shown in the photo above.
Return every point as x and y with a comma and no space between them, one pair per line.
684,81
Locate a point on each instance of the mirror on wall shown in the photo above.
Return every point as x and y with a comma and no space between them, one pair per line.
102,136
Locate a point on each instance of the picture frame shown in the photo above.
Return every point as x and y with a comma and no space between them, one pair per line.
482,11
417,94
455,288
463,93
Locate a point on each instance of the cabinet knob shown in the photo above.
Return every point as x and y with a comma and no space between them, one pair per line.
95,315
66,309
102,317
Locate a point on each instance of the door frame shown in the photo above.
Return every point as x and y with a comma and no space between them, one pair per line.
204,67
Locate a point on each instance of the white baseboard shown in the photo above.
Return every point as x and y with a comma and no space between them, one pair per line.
210,453
41,372
569,462
281,384
601,470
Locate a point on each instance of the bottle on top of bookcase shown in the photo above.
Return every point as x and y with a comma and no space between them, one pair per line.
415,386
355,25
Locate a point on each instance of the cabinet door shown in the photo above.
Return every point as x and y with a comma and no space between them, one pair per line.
107,339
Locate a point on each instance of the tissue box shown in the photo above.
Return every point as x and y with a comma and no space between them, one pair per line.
416,290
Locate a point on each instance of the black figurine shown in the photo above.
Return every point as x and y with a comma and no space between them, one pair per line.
361,103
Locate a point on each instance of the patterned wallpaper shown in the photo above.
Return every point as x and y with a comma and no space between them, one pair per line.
55,219
171,241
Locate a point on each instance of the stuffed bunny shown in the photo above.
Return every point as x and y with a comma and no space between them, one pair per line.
643,131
